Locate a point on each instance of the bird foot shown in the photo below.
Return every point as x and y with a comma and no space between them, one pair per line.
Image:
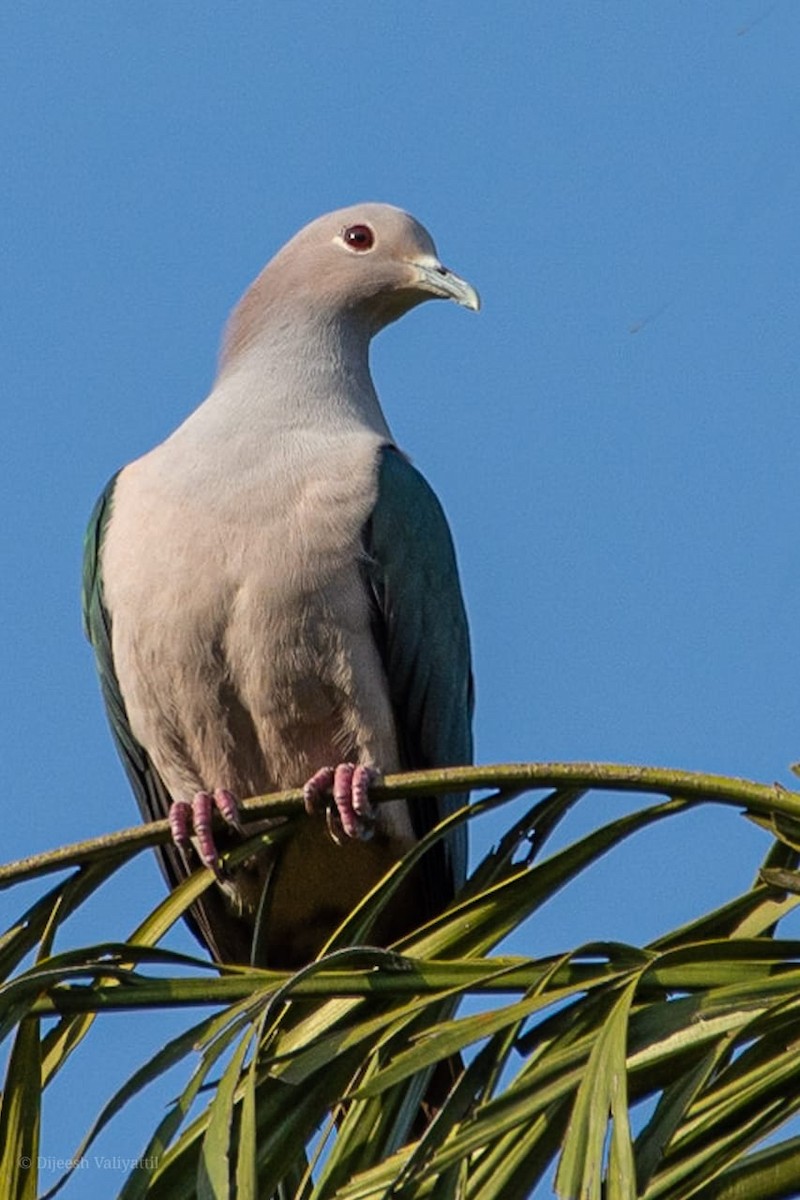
193,819
350,815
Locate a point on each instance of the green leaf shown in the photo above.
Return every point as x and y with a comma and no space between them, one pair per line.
20,1116
602,1094
214,1171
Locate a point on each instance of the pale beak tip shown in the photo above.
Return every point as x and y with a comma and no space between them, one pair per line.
445,283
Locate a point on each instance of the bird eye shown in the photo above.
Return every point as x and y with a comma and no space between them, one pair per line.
359,237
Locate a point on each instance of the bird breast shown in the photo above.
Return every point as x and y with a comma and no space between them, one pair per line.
240,623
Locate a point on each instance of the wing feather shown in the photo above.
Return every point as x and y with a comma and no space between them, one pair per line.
420,625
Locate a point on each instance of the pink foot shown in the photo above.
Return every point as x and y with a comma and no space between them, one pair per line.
195,818
351,813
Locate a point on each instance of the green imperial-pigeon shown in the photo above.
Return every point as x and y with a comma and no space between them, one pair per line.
273,601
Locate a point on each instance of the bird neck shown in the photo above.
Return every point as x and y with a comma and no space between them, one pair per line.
294,374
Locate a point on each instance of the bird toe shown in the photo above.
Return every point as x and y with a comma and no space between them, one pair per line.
191,823
315,788
356,816
351,815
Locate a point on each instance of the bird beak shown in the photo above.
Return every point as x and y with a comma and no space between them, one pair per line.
440,281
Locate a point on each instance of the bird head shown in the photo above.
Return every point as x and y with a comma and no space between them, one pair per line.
369,262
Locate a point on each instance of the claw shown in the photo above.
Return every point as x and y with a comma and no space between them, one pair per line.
194,819
227,806
351,815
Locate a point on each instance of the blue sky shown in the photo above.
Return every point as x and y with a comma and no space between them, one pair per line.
615,437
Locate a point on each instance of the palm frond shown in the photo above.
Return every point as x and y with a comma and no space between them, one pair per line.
620,1071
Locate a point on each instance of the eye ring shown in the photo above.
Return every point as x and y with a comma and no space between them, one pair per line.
358,238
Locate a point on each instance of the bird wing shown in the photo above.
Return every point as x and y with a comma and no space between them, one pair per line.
208,919
420,626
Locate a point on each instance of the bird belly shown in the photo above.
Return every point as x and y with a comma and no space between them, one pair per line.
266,714
317,695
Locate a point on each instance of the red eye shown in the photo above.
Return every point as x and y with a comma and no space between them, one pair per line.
359,237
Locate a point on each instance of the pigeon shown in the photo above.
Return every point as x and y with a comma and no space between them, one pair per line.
273,601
